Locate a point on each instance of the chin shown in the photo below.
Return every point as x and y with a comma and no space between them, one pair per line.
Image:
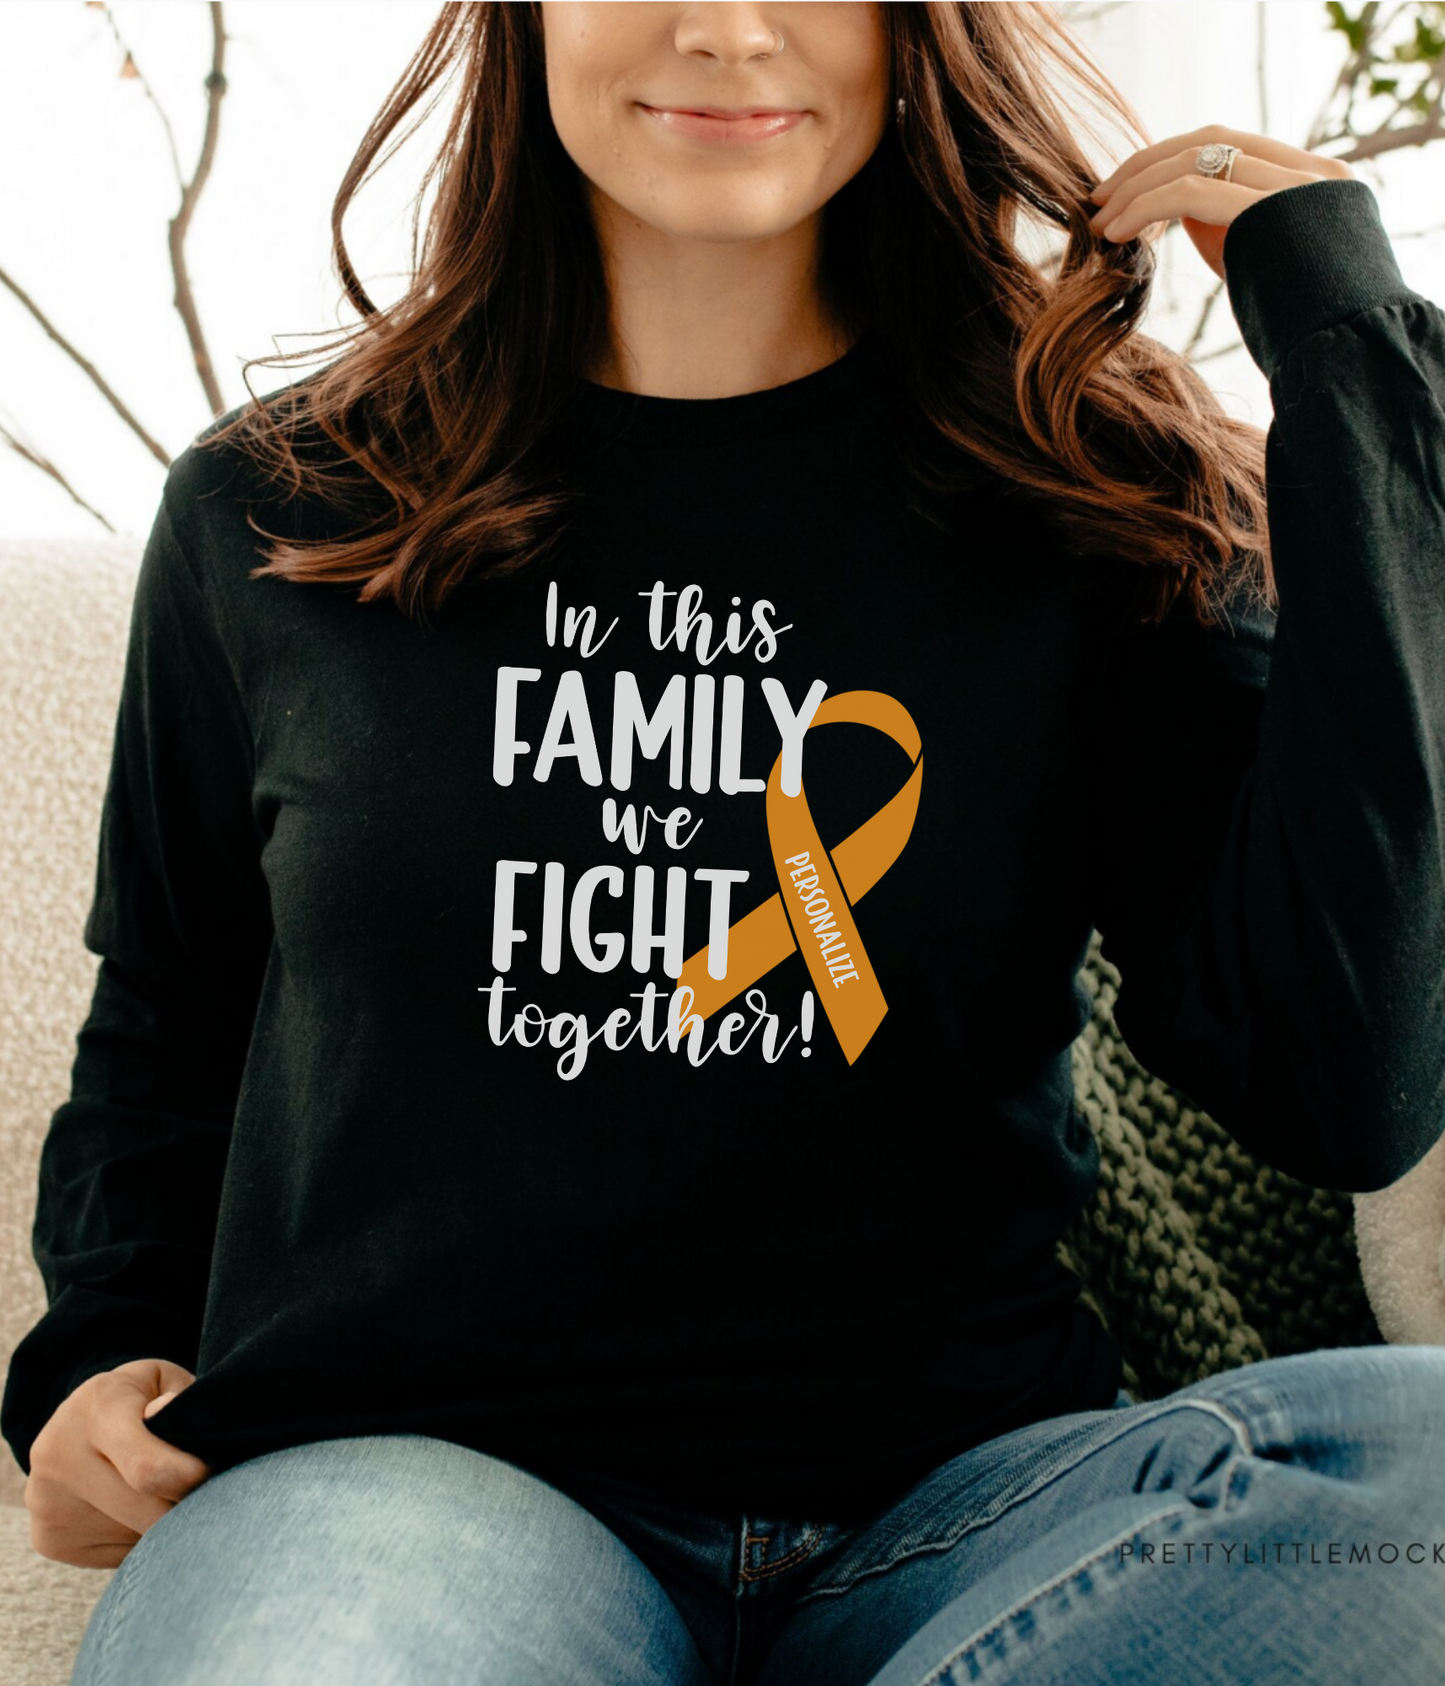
709,211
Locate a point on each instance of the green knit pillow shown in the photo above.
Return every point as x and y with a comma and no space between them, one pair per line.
1198,1257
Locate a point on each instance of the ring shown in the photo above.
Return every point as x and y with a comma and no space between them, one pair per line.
1216,159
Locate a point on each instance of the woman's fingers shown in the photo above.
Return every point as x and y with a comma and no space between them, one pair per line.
99,1476
68,1528
149,1465
1208,201
131,1474
1249,172
1265,149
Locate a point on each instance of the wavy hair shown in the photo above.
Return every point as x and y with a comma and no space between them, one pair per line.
442,410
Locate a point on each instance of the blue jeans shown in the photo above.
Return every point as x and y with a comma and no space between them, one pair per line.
1284,1521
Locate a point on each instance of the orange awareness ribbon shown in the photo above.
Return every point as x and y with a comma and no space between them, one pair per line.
813,910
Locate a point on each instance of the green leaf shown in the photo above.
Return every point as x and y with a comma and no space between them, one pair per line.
1353,29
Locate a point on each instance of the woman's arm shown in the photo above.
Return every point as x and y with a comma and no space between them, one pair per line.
1269,869
131,1167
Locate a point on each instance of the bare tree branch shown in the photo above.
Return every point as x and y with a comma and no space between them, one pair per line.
1261,77
1219,351
185,298
37,459
1356,62
87,368
149,92
1366,37
1216,292
1395,140
1076,13
1379,68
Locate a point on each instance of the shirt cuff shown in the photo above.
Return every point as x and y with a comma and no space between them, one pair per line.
1305,258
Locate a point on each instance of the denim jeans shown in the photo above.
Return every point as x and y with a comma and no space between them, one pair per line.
1284,1521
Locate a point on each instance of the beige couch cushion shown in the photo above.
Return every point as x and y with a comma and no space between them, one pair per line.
44,1607
64,614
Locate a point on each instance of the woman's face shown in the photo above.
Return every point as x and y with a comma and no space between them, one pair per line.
627,83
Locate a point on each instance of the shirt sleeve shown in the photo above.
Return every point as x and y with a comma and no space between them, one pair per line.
1268,866
132,1163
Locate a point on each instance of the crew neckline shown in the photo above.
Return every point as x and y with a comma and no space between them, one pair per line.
648,418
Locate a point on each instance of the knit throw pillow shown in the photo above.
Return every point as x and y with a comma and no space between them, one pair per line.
1197,1256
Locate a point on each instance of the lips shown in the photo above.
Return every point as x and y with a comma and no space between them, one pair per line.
720,124
725,111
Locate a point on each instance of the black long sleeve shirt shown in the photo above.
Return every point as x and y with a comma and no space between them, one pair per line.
583,1028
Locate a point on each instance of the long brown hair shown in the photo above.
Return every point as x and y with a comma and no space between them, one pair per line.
440,408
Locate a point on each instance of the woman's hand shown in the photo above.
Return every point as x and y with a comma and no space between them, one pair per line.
1159,183
98,1476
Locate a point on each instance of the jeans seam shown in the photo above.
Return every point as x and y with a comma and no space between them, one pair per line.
1093,1555
113,1617
796,1555
947,1541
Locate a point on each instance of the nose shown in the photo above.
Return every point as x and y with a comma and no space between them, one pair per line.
732,34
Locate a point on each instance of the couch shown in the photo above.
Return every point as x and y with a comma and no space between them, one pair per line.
1197,1256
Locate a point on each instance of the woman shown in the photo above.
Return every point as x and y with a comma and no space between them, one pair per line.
566,1158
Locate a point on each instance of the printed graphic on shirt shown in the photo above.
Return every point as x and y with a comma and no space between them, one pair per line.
751,931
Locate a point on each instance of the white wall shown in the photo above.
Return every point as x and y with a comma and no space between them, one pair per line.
86,191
